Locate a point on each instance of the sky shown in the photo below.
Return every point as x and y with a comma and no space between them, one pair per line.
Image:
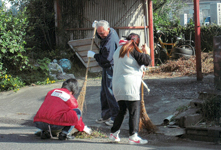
7,4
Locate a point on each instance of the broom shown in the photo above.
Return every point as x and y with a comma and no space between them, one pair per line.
81,97
145,122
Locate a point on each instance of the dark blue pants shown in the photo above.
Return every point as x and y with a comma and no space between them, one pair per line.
134,115
109,106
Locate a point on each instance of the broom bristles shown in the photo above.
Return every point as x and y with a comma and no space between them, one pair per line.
145,122
81,97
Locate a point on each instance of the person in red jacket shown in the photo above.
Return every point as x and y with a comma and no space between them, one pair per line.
59,112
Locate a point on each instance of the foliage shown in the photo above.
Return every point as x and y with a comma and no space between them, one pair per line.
37,72
47,81
13,58
41,25
12,43
42,64
207,34
212,108
8,82
188,32
165,12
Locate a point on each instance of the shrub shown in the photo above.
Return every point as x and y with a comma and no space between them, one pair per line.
12,34
212,109
8,82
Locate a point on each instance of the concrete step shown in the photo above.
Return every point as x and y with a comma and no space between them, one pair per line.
197,103
188,118
212,134
207,94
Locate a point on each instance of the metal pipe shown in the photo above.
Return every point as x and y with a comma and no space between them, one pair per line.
197,41
150,16
167,120
131,27
145,30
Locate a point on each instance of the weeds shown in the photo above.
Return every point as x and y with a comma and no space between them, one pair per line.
212,109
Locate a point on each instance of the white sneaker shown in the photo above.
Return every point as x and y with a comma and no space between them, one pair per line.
101,120
87,130
134,139
109,123
114,137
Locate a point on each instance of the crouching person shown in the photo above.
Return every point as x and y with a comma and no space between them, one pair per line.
59,113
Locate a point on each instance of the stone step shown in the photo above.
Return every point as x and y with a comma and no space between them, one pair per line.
188,118
207,94
197,103
212,134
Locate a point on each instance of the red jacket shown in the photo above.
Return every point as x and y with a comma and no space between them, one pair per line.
57,109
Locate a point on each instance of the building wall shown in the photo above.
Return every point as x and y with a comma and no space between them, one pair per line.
205,9
119,13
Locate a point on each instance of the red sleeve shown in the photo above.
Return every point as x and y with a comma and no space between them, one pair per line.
80,125
72,102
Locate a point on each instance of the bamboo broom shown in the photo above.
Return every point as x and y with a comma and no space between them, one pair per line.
145,122
81,97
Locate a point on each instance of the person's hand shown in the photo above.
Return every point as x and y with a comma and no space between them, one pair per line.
146,49
144,70
94,23
87,130
90,53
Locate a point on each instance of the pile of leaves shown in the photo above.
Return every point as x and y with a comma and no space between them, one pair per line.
185,67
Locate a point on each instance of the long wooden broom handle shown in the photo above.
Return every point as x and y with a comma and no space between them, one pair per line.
92,41
142,92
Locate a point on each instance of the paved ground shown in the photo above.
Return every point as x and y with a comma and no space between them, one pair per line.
18,109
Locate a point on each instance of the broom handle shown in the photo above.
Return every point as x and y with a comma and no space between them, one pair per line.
142,93
145,30
92,41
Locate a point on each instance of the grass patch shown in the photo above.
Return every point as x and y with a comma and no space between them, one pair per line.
182,108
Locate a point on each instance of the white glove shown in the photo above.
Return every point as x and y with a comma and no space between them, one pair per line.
90,53
94,23
143,68
87,130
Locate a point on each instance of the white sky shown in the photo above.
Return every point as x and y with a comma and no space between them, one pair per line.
7,4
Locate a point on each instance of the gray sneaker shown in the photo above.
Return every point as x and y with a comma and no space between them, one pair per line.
101,120
109,123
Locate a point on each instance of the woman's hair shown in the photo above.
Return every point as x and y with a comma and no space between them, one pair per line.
103,23
133,43
71,84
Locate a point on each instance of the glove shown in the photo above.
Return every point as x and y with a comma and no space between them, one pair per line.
90,53
143,68
94,23
87,130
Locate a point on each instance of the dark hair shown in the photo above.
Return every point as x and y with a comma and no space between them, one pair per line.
133,42
71,84
135,37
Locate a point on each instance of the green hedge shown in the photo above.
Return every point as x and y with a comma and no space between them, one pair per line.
207,34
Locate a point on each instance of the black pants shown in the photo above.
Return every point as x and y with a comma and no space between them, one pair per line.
134,112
